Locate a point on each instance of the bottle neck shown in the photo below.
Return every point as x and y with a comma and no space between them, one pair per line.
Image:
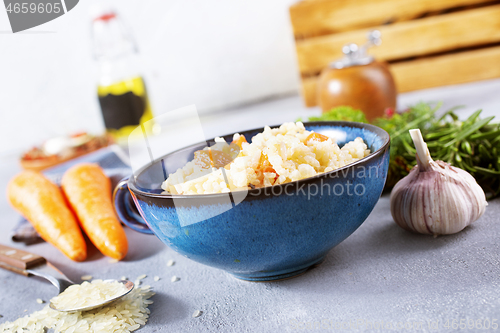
114,50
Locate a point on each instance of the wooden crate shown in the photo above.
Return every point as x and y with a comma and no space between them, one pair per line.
427,43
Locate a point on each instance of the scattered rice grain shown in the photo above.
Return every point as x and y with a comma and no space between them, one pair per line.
134,327
156,278
86,277
39,301
197,313
140,277
113,261
170,263
140,321
174,278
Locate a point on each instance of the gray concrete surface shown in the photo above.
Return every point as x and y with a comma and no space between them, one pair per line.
381,278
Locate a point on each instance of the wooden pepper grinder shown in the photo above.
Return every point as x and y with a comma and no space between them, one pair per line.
359,81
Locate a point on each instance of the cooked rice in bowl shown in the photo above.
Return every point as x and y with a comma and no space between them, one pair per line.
275,156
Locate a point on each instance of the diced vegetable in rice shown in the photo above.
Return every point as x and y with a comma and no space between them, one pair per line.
275,156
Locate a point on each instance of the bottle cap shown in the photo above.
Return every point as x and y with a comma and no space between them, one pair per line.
110,37
355,55
102,12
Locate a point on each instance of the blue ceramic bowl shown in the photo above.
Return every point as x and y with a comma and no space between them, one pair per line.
263,234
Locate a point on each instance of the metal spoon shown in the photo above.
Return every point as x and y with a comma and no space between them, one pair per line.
25,263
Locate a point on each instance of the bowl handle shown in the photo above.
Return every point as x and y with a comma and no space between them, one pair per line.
126,209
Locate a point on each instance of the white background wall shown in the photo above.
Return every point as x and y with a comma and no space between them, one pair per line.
213,54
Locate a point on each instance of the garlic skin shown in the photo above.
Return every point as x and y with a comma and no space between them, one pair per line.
436,198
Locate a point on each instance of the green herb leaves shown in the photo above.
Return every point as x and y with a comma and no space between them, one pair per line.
472,145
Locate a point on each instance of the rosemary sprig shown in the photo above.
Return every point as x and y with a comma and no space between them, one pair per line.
471,145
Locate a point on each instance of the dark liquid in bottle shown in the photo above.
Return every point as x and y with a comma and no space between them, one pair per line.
125,106
122,110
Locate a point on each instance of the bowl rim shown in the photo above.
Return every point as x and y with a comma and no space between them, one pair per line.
383,134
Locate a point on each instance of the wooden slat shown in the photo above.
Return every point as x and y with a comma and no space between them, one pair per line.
315,17
455,68
309,91
432,72
407,39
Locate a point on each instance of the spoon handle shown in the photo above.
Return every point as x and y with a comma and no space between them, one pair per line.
19,261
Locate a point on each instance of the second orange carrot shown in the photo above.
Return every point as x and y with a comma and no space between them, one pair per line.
88,191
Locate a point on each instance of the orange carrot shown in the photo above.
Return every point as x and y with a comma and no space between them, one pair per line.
88,191
43,204
240,141
316,137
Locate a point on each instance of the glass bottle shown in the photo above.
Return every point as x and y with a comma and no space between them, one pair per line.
121,89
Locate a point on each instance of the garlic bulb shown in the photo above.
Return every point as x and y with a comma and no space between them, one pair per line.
436,198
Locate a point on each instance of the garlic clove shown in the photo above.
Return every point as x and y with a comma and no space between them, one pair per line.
436,198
